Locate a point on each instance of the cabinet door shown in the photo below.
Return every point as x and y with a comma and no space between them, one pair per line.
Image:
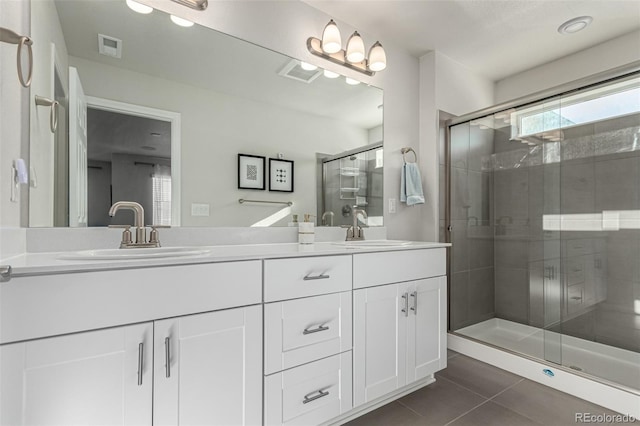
94,378
380,341
208,369
427,328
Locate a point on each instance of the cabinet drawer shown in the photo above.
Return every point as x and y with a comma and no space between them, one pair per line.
310,394
371,269
303,330
48,305
306,276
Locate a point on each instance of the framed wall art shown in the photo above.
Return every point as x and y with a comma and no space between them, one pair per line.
251,172
280,175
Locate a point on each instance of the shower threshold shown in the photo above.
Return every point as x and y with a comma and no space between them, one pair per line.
619,366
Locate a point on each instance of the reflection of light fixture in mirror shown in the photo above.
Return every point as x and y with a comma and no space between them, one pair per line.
330,48
331,74
351,81
139,7
194,4
148,148
307,66
180,21
331,41
355,48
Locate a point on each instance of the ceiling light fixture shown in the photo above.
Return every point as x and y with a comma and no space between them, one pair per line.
574,25
139,7
180,21
354,57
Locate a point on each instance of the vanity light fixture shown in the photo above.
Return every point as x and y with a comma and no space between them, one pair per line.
139,7
180,21
307,66
354,57
194,4
331,74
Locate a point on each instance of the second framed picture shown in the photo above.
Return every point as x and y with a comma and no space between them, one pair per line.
280,175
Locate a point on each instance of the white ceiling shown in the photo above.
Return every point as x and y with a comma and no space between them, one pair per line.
495,38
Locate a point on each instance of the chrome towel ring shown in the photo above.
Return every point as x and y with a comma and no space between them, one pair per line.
405,151
9,36
53,114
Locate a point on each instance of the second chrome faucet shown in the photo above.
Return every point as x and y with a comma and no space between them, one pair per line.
140,229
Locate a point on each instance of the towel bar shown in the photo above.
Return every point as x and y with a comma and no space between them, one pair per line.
288,203
404,151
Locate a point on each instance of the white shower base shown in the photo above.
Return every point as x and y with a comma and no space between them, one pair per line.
619,366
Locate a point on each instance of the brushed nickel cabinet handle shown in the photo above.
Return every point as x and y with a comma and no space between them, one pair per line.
316,277
5,273
318,394
414,308
167,356
405,309
310,330
140,362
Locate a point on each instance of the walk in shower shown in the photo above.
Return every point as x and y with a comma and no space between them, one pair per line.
543,211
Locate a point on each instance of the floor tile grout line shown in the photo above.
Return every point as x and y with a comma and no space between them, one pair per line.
471,390
509,387
410,409
467,412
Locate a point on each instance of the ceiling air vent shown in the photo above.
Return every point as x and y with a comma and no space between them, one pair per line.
109,46
293,70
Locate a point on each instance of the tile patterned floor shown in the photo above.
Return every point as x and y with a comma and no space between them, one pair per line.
470,392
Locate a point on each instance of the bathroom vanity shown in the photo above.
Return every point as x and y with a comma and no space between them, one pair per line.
262,334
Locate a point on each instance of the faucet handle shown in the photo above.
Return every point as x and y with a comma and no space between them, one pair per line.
126,234
154,237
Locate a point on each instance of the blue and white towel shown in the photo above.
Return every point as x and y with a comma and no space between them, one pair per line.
411,185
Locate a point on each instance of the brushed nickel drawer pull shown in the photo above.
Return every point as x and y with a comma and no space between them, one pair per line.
167,356
140,361
319,394
316,277
414,308
405,309
310,330
5,273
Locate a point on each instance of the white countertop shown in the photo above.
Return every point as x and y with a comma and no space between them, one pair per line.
50,263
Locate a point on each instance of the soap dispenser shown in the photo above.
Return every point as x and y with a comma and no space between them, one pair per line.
294,220
306,230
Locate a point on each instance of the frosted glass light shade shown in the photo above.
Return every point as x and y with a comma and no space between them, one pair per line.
180,21
377,57
139,7
331,40
331,74
351,81
307,66
355,48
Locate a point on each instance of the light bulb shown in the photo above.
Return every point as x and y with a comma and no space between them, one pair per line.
355,48
351,81
331,74
331,41
180,21
307,66
377,57
139,7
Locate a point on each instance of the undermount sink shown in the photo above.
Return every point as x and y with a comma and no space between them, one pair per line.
134,253
373,243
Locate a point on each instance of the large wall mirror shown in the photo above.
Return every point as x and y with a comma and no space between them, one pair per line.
158,113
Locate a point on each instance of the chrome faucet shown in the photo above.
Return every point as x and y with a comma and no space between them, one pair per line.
355,232
141,230
324,218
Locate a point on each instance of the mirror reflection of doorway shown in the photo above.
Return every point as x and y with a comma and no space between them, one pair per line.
129,158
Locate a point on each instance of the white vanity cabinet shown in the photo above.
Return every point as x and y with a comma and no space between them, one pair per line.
307,332
116,373
208,369
94,378
399,328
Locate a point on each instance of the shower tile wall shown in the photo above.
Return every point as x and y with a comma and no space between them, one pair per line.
472,260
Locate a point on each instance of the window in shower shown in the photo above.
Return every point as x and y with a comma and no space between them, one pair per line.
544,210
